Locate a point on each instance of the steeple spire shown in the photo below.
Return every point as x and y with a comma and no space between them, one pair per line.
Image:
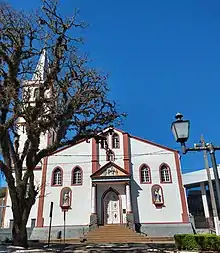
42,65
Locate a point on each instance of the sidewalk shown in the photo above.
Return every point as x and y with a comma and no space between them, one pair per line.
93,248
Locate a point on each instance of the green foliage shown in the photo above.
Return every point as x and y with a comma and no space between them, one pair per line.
197,242
2,192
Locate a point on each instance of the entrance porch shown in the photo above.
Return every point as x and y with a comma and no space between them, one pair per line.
111,197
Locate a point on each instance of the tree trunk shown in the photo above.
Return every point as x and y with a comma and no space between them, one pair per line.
19,234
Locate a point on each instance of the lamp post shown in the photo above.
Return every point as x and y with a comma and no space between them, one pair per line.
180,129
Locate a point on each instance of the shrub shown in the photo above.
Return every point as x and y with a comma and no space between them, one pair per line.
197,242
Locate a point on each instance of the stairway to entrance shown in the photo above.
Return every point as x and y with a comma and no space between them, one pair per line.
120,234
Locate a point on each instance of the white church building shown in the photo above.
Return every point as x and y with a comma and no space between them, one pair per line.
138,183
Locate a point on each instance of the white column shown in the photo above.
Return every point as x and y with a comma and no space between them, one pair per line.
93,206
204,201
128,198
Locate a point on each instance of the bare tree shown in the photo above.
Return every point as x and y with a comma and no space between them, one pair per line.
70,101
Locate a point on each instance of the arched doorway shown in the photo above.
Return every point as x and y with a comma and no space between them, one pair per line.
111,207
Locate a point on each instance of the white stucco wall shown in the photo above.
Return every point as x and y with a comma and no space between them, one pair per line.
144,210
78,155
33,213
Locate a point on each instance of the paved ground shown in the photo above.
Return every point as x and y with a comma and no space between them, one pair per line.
105,248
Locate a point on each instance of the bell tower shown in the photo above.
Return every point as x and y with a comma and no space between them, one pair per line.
29,94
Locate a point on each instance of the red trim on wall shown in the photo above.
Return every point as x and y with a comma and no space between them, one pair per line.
77,167
61,170
37,168
140,168
95,165
107,165
126,152
185,216
112,182
115,135
103,205
168,167
40,219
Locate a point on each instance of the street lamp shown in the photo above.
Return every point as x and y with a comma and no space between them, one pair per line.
180,129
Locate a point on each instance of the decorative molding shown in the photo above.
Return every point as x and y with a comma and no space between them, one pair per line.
126,152
185,215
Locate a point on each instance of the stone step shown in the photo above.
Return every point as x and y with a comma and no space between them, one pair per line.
121,234
118,238
113,241
112,232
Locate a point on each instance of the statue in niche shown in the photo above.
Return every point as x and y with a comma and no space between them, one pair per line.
110,155
157,195
66,198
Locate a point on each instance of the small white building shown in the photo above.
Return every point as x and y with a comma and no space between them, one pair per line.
199,201
137,182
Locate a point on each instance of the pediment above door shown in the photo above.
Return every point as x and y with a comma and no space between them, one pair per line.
110,170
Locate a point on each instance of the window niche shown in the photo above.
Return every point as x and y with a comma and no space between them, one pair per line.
65,198
77,176
57,177
157,196
36,93
145,174
165,174
115,141
104,143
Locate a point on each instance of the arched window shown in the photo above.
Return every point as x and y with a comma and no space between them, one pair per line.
115,141
36,93
77,176
57,177
145,175
104,143
165,175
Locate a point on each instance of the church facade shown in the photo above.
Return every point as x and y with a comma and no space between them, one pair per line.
141,183
126,180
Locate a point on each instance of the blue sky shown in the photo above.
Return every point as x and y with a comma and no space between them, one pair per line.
162,57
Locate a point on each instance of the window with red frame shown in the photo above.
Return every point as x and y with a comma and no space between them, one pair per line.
165,174
115,141
77,176
145,174
57,177
104,143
